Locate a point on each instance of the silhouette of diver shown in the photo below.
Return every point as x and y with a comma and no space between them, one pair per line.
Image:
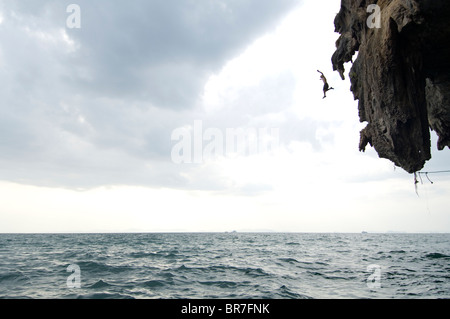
326,86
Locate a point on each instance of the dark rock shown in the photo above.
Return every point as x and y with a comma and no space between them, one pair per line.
401,75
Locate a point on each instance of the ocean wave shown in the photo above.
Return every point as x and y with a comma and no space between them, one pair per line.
105,295
100,284
249,271
288,266
401,251
285,293
437,256
154,284
220,284
142,254
99,267
289,260
15,277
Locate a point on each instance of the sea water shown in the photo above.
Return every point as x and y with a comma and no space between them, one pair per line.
224,266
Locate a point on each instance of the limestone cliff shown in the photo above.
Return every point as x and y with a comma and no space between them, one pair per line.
401,76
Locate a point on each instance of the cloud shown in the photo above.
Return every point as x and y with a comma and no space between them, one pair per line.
97,105
163,52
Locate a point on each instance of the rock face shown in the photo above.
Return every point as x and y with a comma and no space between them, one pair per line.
401,76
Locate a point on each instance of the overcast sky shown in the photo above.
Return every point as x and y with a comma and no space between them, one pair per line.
90,120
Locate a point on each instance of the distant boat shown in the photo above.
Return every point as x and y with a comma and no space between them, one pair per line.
363,232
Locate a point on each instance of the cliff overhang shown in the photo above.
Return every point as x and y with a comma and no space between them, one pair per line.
401,75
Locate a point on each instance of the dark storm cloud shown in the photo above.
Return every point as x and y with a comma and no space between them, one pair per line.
163,51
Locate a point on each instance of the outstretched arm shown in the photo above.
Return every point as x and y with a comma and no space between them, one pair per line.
322,77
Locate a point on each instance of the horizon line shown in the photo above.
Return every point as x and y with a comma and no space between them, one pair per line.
221,232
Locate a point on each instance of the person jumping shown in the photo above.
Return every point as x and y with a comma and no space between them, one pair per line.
326,86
